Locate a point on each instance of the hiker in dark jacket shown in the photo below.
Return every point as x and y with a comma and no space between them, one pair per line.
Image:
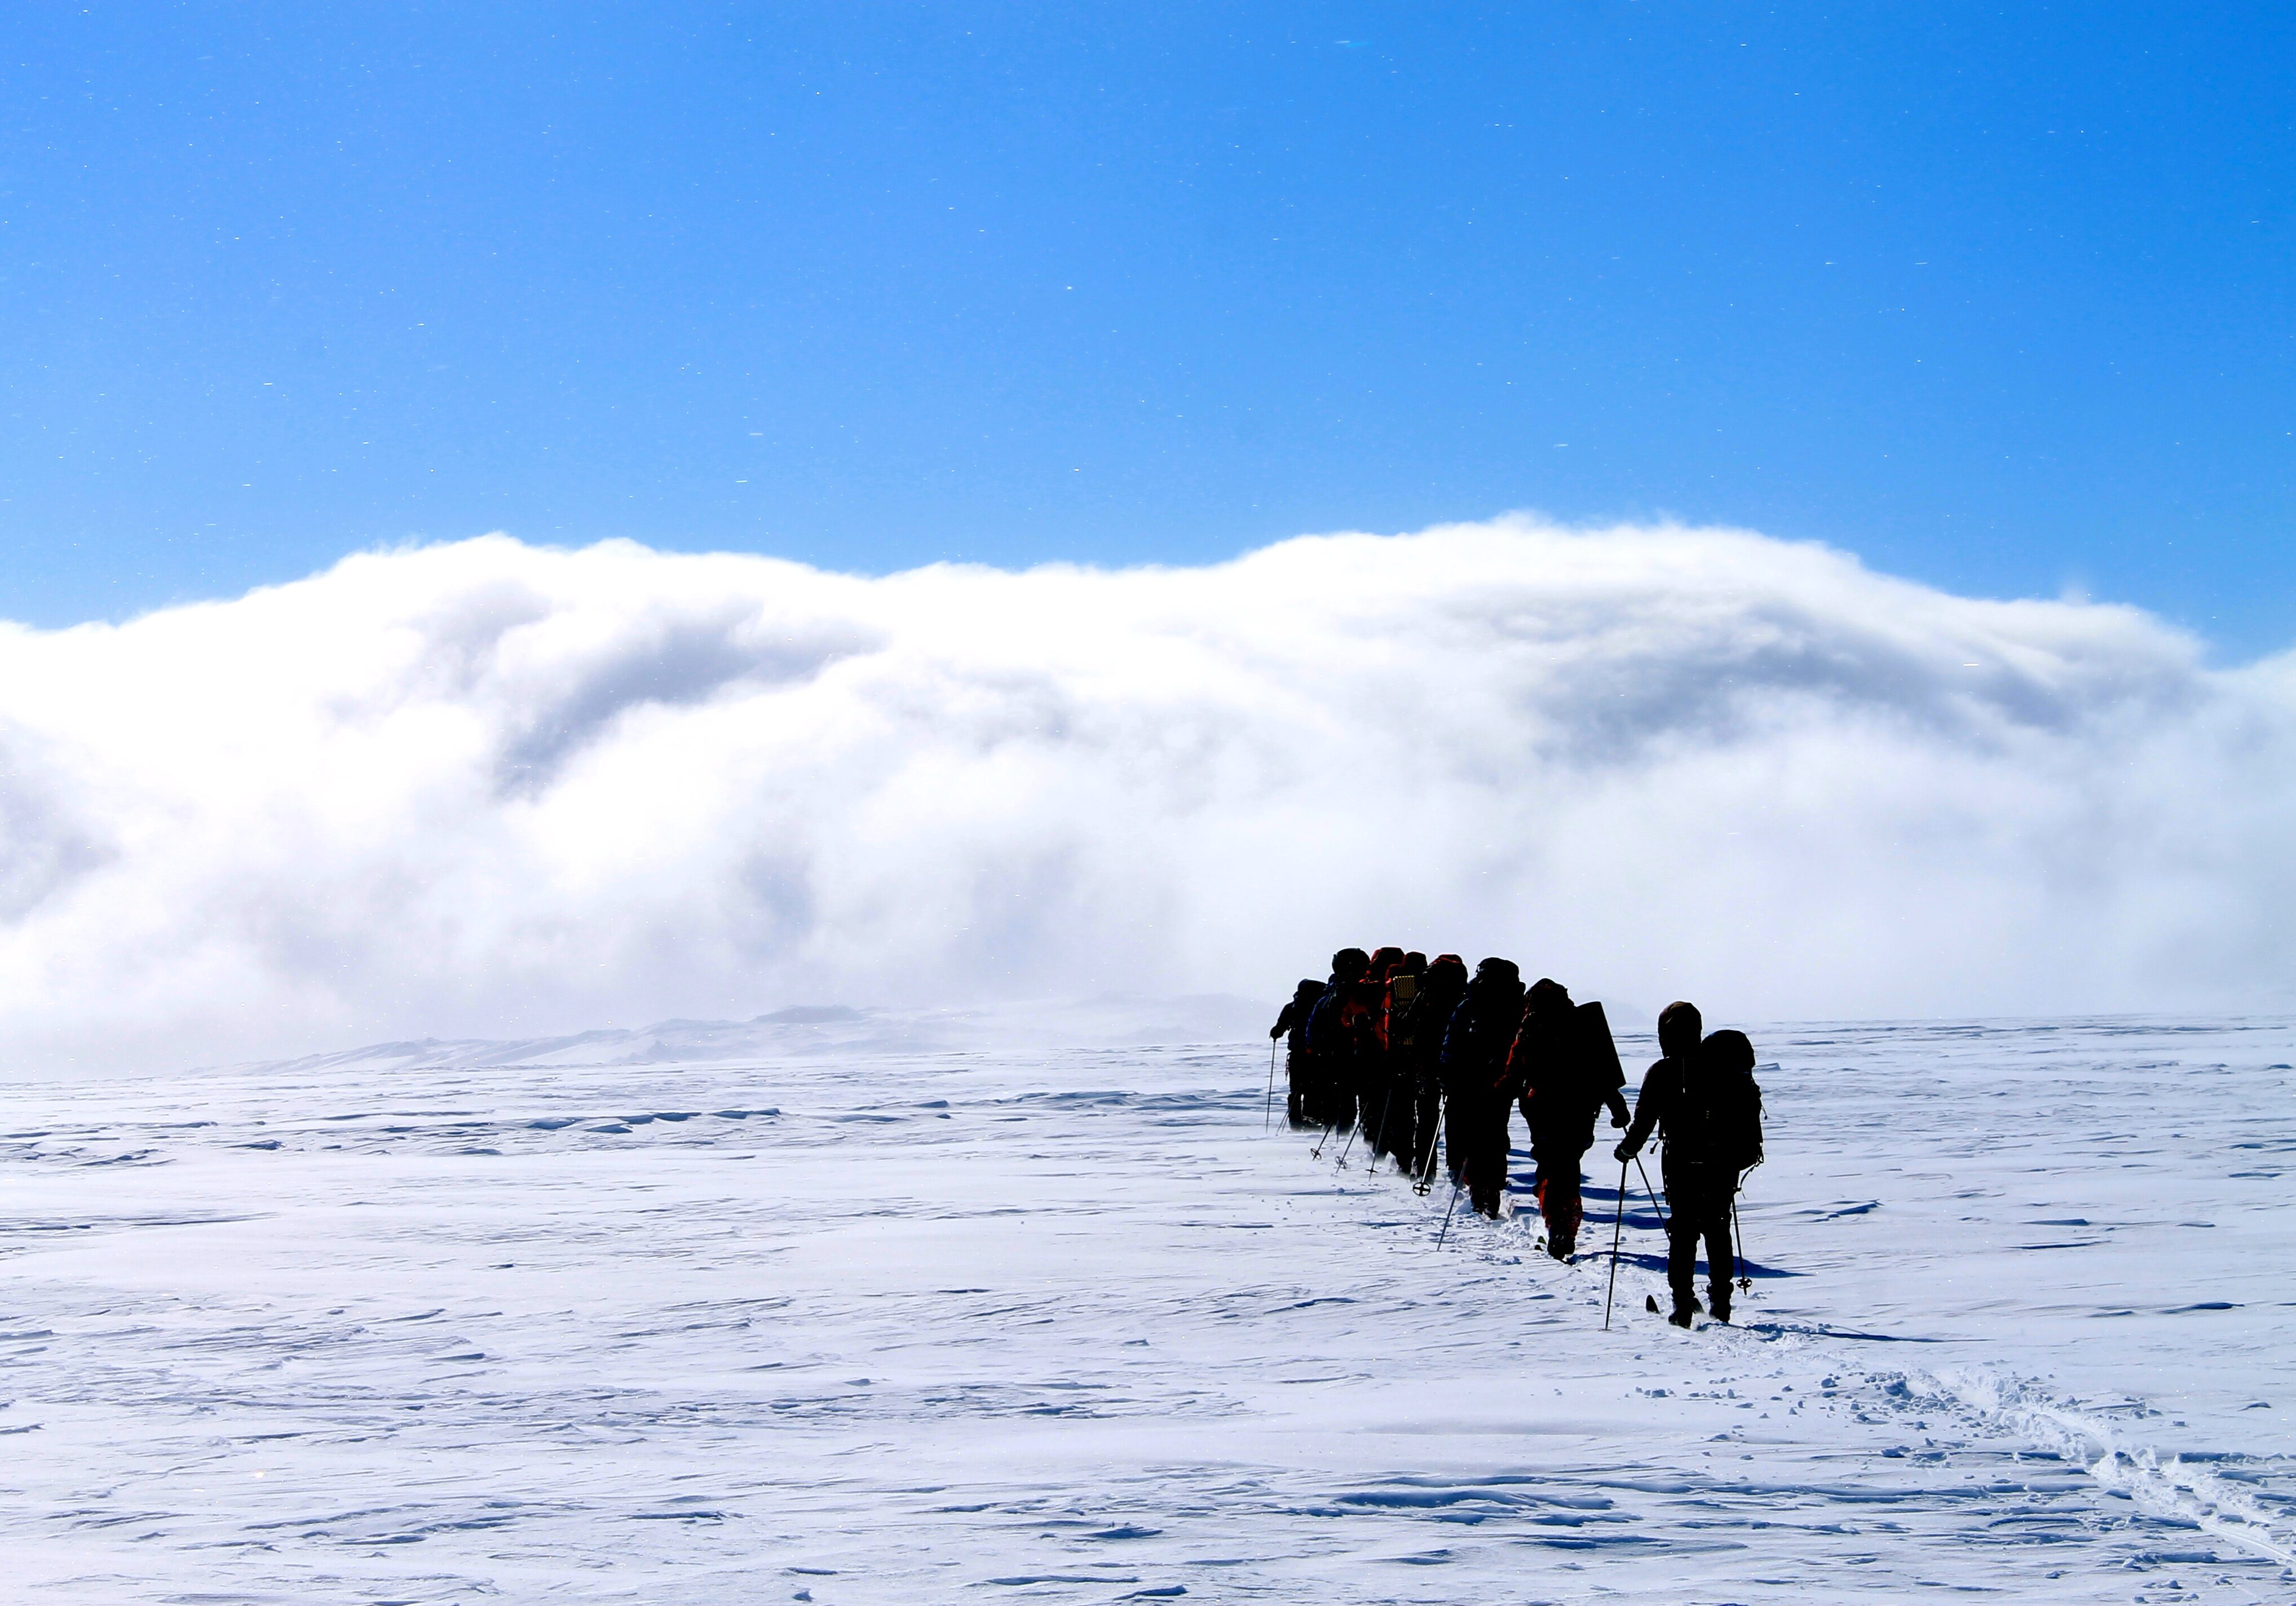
1682,1097
1439,991
1475,1051
1563,1076
1292,1026
1340,1038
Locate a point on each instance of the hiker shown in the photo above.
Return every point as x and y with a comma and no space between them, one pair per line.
1566,1069
1439,991
1702,1098
1475,1070
1371,1067
1292,1026
1364,1016
1401,1022
1340,1038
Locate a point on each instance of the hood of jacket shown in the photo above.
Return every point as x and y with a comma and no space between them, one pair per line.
1679,1030
1548,994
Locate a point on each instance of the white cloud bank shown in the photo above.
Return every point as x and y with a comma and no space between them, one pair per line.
493,789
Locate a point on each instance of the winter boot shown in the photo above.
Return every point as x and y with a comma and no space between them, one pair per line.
1686,1306
1718,1300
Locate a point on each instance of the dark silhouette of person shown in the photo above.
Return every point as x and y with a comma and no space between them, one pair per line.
1401,1022
1371,1064
1439,992
1478,1099
1563,1078
1292,1026
1340,1038
1695,1096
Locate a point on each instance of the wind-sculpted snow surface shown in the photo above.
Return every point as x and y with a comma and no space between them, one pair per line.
1066,1324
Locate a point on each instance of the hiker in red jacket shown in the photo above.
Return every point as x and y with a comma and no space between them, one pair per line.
1401,1020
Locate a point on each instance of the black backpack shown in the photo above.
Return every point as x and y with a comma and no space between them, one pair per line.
1724,1102
1598,1055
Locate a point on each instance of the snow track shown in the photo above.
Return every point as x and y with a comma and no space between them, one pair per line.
1066,1325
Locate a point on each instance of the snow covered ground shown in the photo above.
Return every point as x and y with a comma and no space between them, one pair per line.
847,1308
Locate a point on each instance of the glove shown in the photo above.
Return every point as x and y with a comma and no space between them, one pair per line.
1275,1032
1617,1119
1625,1153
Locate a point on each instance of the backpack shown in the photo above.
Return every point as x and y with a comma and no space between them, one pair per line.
1361,1014
1598,1054
1400,1021
1725,1102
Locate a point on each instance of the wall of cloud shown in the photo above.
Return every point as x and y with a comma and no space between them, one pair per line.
491,789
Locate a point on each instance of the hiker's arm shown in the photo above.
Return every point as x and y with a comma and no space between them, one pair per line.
1649,1105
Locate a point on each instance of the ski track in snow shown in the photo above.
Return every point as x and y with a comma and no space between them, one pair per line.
1066,1324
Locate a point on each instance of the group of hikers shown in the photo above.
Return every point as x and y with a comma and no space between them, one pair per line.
1401,1051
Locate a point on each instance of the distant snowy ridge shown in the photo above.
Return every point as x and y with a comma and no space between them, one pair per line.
814,1030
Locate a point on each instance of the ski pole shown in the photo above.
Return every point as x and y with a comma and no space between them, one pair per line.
1649,1190
1426,1178
1745,1282
1618,1229
1379,1137
1356,1126
1447,1209
1318,1152
1268,1119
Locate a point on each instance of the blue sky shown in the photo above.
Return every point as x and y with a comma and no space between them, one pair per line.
1997,297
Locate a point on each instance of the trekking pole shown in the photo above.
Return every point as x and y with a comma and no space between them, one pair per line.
1426,1180
1363,1109
1618,1229
1268,1119
1318,1152
1379,1138
1649,1190
1447,1209
1745,1283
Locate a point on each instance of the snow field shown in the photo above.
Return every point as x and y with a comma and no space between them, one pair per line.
1066,1324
